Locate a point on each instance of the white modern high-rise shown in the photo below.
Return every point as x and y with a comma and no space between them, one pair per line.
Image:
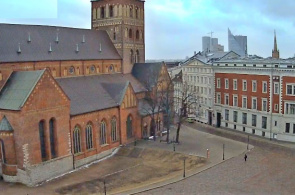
238,44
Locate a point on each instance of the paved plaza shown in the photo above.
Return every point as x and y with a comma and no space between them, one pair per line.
268,170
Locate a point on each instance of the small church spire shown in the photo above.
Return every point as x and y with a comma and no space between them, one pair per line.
275,51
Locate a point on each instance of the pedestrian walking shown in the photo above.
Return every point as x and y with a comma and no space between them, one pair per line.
245,157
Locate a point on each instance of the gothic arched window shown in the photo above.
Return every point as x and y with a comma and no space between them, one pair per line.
131,12
102,12
52,130
42,139
111,11
130,33
137,35
103,137
77,140
114,129
89,136
131,56
129,126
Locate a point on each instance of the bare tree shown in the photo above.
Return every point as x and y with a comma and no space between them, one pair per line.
188,97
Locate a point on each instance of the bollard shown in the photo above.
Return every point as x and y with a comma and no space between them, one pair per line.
208,153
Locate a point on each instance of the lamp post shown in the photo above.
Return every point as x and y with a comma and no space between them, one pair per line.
104,187
184,168
223,153
248,143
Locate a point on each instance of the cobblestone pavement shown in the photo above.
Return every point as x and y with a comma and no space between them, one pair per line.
269,170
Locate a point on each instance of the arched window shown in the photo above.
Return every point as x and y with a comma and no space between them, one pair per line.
111,11
103,139
131,12
77,140
2,151
131,56
130,33
52,127
115,36
102,12
114,129
129,126
136,12
72,70
137,56
42,139
137,35
89,136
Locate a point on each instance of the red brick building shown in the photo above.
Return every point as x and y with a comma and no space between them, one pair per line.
68,96
256,96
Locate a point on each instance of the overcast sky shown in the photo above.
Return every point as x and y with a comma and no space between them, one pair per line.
174,28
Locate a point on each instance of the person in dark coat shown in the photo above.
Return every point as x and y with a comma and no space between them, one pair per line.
245,157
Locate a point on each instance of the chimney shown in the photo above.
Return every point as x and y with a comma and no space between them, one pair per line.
19,50
83,39
50,49
29,38
100,47
77,48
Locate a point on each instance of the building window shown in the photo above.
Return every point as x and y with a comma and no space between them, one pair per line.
287,128
294,128
137,56
92,69
235,100
244,85
136,12
103,137
244,103
244,129
253,131
264,104
89,137
264,122
276,123
72,70
111,11
131,12
52,127
291,89
263,134
130,34
114,129
226,83
226,99
129,127
244,118
254,86
235,116
276,88
137,35
226,114
102,12
254,120
264,87
235,84
290,108
42,139
218,101
254,103
218,83
131,56
276,107
77,140
111,68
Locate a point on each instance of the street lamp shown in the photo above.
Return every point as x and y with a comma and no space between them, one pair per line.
223,153
184,168
248,143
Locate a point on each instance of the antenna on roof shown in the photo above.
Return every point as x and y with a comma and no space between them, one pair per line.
19,50
77,48
50,49
57,39
100,47
83,39
29,38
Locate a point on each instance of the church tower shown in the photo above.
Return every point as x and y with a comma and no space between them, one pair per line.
275,51
124,22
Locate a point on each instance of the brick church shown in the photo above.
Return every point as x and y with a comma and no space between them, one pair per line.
71,96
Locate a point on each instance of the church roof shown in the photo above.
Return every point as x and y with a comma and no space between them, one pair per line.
147,73
17,89
102,91
24,43
5,125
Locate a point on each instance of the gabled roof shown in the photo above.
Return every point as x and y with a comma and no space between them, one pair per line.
147,73
97,92
116,90
5,125
17,89
34,43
